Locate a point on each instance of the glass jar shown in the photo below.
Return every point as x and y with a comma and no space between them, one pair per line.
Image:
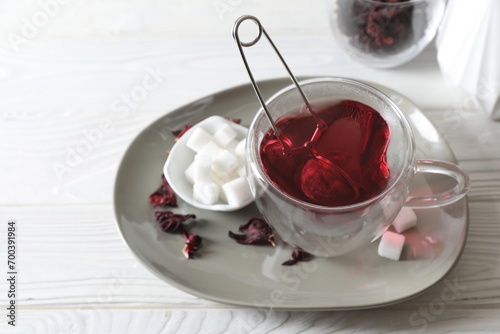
384,33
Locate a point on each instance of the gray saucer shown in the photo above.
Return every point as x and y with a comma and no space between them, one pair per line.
252,276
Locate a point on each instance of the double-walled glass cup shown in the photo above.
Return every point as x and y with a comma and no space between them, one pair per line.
333,231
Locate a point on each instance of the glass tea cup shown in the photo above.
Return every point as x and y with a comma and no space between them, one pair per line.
337,230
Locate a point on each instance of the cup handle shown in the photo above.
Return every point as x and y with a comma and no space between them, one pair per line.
447,197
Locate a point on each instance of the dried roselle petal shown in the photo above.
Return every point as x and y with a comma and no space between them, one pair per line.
163,196
171,222
157,198
178,133
298,255
256,232
170,198
234,120
193,244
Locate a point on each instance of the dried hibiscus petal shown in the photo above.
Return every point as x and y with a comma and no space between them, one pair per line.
234,120
170,198
193,244
164,195
171,222
157,198
256,232
178,133
298,255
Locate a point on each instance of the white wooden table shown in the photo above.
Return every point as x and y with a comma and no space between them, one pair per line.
59,80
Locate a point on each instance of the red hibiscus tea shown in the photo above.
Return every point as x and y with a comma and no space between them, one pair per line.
334,157
343,172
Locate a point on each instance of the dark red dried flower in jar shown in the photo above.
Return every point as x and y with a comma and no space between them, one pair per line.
298,255
256,232
382,26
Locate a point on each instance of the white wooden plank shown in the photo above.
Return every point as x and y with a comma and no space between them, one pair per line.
89,75
142,18
72,256
241,321
470,133
72,93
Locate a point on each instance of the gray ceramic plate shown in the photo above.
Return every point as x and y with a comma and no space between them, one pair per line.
253,275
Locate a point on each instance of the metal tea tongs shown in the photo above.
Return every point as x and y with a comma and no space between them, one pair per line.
321,126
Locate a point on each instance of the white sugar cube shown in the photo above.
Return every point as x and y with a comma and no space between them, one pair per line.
202,168
237,191
206,193
189,173
241,171
224,135
225,161
391,245
222,196
231,147
221,177
198,139
405,220
210,149
240,148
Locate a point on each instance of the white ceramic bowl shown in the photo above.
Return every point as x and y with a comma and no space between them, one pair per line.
181,157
